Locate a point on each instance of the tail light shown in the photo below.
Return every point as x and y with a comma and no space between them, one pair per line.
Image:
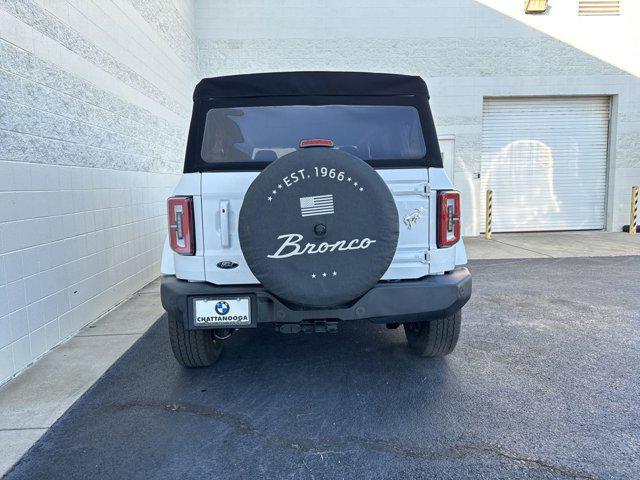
448,218
181,231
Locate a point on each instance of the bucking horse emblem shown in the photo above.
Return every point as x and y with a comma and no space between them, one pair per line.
412,218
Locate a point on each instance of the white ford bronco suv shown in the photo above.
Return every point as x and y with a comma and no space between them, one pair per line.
309,199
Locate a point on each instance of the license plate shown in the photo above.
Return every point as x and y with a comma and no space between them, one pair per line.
221,311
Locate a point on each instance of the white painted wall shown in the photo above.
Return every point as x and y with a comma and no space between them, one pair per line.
465,50
94,107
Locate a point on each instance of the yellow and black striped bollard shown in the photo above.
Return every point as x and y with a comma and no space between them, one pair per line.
488,210
633,218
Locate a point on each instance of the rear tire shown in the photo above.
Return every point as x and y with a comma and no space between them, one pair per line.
192,348
434,338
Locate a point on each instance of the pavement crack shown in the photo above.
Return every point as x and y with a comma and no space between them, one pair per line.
523,248
326,446
231,420
566,471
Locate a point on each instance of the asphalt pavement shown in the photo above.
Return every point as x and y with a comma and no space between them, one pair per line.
543,384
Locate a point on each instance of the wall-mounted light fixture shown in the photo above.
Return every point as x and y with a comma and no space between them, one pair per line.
535,6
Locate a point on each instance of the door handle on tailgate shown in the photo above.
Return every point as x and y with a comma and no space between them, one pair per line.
224,223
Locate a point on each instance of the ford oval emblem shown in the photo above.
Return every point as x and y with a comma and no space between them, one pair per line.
227,264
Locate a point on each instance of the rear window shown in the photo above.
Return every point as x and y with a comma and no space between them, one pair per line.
370,132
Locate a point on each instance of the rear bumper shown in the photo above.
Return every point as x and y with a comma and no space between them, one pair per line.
388,302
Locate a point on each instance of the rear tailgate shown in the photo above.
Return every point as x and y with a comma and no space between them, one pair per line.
222,196
410,189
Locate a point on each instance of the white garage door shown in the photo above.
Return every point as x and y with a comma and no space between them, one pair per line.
546,161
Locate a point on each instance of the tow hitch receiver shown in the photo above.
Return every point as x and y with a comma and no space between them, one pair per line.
319,326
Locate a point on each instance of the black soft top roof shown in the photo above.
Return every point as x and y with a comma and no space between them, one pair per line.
310,83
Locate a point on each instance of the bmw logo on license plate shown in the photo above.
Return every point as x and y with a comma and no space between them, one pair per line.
222,308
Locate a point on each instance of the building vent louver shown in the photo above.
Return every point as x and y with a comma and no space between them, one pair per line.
598,7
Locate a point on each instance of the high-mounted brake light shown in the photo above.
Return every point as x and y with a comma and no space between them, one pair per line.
181,231
316,142
448,218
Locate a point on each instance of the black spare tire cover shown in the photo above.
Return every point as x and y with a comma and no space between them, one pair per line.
318,227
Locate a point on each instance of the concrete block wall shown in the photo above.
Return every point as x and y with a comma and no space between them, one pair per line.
465,49
94,109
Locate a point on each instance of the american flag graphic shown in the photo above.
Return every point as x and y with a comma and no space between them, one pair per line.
318,205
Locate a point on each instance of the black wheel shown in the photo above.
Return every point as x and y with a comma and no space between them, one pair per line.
192,348
434,338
